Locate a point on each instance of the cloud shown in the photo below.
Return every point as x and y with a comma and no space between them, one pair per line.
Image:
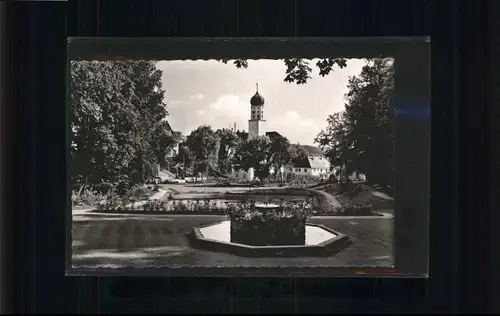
295,127
173,102
197,97
294,118
223,112
228,109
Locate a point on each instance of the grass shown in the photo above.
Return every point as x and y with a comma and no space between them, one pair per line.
138,241
363,197
91,197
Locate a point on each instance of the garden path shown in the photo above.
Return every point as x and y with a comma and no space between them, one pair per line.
328,198
157,196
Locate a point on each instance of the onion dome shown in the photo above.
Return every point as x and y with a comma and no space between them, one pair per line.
257,99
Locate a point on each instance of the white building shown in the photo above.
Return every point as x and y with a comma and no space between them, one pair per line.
315,165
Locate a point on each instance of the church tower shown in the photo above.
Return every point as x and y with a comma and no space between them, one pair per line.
255,123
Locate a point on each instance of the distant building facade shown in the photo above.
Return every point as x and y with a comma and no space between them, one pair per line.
315,164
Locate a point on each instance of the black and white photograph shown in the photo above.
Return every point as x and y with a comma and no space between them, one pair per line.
232,162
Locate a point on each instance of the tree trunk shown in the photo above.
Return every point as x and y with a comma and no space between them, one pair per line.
84,185
206,172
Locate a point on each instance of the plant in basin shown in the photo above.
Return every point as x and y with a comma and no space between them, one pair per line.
284,224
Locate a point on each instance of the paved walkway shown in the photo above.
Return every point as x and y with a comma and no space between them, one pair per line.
157,196
328,198
162,241
382,195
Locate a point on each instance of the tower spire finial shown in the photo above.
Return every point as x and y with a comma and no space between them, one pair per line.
257,86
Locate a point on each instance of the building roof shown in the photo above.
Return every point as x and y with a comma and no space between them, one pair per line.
314,162
319,162
271,135
165,174
313,150
257,99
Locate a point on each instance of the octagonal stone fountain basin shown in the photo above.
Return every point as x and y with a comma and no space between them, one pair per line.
320,242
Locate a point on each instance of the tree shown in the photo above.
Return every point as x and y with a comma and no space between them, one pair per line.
298,70
203,144
254,153
228,140
297,153
280,153
370,109
114,106
361,137
163,141
338,145
185,159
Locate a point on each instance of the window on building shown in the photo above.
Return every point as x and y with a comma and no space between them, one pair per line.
305,170
297,170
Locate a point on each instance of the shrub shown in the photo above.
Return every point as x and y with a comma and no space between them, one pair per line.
137,192
223,182
115,203
87,197
155,206
301,180
283,226
357,209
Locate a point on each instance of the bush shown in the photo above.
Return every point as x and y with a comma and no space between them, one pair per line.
223,182
155,206
115,203
357,209
301,180
284,226
87,197
288,212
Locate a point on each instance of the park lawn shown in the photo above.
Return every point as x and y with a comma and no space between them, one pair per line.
147,241
365,197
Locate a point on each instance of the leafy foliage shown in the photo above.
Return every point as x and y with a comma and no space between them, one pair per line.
297,153
280,154
282,226
86,197
255,153
298,70
262,153
203,144
118,129
228,141
185,159
361,137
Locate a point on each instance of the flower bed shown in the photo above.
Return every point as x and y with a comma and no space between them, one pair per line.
285,225
215,207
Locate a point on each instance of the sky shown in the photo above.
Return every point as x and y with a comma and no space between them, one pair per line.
209,92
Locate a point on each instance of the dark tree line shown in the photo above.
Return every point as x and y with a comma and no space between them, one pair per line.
209,151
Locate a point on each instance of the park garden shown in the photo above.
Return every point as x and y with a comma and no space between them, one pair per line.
120,139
